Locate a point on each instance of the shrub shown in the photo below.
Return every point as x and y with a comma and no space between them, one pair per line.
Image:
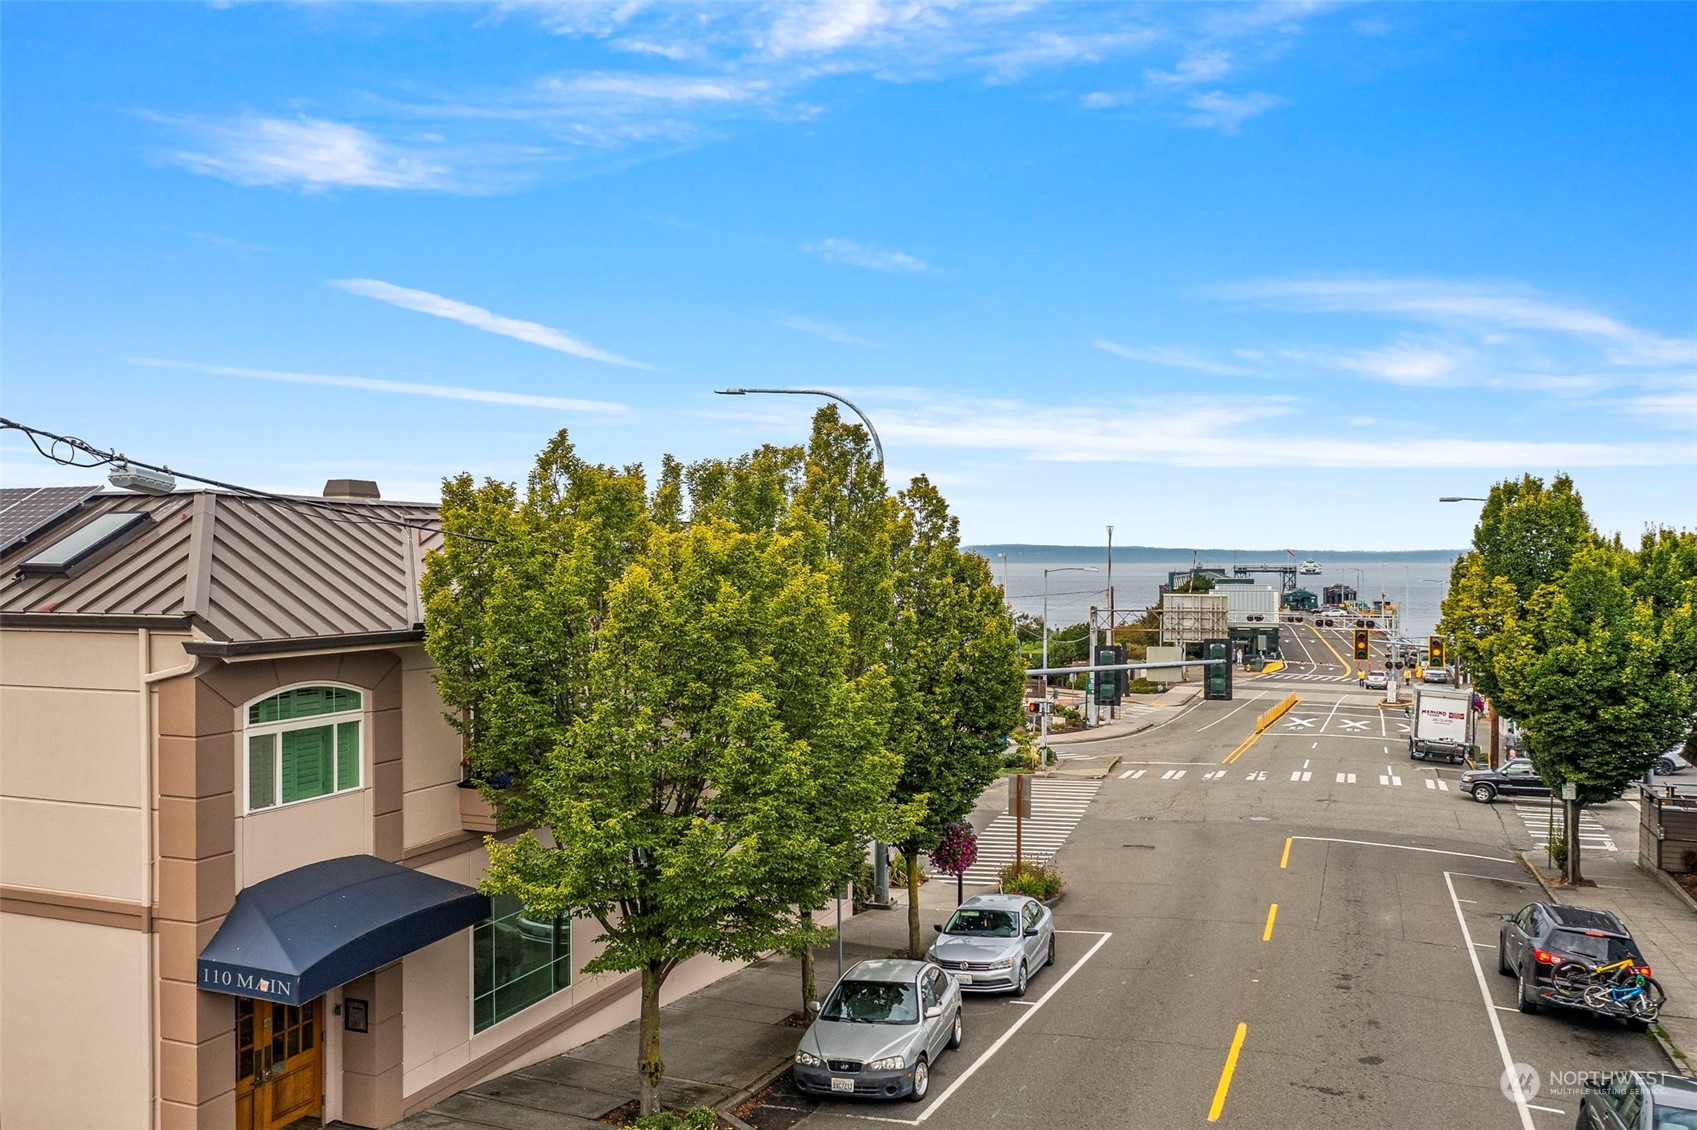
1037,880
1558,852
701,1118
1142,686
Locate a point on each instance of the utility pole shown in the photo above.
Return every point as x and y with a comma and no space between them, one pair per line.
1110,640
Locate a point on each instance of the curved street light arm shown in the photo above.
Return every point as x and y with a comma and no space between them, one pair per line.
877,444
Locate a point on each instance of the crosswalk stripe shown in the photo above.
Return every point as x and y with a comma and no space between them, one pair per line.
1056,808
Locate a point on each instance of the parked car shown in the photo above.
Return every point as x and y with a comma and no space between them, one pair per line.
1376,681
1531,944
992,943
878,1032
1515,777
1639,1100
1673,761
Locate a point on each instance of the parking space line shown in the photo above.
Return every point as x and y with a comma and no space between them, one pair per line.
1284,860
1510,1075
933,1107
1272,913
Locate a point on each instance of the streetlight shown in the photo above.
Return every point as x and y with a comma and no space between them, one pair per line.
880,851
1461,498
1004,558
1043,740
873,432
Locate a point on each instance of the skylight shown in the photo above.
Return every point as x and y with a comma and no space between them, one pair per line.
87,544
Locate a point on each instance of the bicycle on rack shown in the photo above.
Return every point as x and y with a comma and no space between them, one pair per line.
1623,988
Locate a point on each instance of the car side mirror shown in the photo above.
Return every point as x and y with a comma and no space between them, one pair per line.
933,1012
814,1007
1031,931
938,927
1506,917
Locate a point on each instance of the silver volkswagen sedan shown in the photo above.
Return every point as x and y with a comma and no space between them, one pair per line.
993,942
879,1031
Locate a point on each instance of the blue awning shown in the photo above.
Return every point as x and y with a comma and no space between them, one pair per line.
305,931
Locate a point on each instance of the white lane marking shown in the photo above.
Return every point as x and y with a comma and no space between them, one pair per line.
1306,760
1133,773
1351,724
1346,778
1299,775
1510,1075
1226,715
1316,745
1546,1109
1214,776
1298,723
1390,779
1400,847
1172,774
937,1104
1258,775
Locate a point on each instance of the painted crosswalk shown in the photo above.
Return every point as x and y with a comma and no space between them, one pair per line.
1543,822
1056,808
1391,778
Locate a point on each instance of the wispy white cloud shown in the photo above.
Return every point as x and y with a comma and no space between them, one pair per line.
1172,357
827,330
310,154
423,302
1204,66
657,88
1225,112
228,243
850,253
405,388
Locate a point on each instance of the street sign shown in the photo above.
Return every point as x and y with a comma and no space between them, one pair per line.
1570,791
1019,796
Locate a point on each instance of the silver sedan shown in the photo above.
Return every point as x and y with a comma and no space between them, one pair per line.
992,943
879,1031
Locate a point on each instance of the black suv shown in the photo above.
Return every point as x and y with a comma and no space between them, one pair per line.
1639,1100
1545,934
1516,777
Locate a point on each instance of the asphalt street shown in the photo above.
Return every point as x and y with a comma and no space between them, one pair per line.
1369,997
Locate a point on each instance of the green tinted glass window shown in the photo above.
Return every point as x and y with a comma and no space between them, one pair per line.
261,771
303,702
307,763
517,960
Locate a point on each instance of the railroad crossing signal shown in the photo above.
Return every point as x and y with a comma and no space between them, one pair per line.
1363,643
1435,650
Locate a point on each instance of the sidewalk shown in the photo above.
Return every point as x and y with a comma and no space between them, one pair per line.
1662,924
720,1044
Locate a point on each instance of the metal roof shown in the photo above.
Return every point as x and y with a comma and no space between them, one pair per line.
242,570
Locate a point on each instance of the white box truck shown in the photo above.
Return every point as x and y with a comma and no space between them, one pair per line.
1442,726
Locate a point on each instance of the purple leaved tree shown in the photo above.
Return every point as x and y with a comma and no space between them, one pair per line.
957,852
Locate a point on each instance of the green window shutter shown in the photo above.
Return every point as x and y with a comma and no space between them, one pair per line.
308,763
261,771
302,702
347,756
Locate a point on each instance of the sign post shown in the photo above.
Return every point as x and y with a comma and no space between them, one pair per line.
1019,807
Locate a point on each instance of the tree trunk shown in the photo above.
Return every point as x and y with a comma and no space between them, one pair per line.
914,948
1571,830
808,988
648,1063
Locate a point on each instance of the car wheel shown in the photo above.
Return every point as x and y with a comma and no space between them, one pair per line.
1665,766
955,1033
1503,966
1050,960
921,1080
1484,794
1528,1001
1021,980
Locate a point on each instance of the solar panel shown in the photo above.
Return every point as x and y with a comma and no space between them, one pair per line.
25,511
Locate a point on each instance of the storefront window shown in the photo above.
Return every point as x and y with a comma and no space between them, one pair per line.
517,960
301,744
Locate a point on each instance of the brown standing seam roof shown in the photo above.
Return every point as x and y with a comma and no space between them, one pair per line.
244,570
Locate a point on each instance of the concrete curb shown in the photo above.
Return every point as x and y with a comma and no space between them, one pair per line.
1676,1057
727,1108
1665,880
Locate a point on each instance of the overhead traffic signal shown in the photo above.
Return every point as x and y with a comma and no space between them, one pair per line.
1435,650
1363,643
1110,685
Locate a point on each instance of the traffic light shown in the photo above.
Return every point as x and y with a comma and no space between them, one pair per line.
1110,685
1363,643
1217,676
1435,650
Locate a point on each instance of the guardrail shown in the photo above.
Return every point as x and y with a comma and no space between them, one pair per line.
1273,715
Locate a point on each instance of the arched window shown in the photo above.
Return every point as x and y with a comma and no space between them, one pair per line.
301,744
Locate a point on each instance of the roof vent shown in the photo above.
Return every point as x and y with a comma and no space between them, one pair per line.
350,488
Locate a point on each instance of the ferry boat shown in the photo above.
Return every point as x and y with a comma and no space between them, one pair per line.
1309,568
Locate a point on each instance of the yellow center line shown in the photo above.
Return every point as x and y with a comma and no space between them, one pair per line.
1319,636
1272,913
1284,859
1241,747
1226,1074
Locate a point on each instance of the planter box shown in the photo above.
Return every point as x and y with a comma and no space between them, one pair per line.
476,813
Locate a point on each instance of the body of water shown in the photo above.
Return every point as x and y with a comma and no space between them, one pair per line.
1139,571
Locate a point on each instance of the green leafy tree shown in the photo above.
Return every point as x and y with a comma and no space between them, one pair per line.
1598,675
956,671
672,706
1526,535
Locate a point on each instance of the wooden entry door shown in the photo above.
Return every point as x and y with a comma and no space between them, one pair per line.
279,1066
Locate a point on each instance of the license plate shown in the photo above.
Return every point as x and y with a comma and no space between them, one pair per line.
964,978
842,1085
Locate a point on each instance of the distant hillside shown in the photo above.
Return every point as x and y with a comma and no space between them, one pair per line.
1182,555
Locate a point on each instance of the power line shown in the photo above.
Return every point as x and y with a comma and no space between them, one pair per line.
69,451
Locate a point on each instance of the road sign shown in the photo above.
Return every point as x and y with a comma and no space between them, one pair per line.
1570,791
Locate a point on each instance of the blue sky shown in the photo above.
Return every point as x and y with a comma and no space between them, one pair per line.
1215,274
